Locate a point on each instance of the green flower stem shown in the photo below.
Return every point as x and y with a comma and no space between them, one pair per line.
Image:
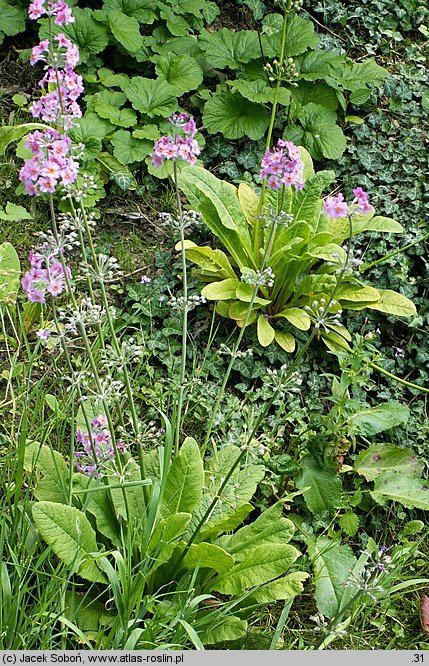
257,229
416,387
179,406
392,254
88,351
131,403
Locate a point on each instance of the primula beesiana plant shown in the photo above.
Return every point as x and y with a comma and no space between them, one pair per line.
289,261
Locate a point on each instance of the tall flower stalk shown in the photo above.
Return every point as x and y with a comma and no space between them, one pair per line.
182,144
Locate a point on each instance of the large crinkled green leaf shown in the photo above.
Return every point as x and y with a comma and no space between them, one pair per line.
121,117
128,149
142,10
12,19
223,629
208,555
300,36
91,36
185,480
324,486
219,205
287,587
151,96
379,458
322,136
126,30
270,527
99,504
10,268
409,491
260,565
391,302
372,420
232,504
180,71
258,91
225,48
70,535
356,293
306,203
357,74
234,116
332,564
53,472
318,93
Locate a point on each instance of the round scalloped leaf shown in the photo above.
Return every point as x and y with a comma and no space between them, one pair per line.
234,116
91,36
322,136
12,19
151,96
300,36
225,48
139,9
126,30
258,91
128,149
180,71
121,117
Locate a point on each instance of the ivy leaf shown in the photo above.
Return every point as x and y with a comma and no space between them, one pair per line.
234,116
272,23
181,71
151,96
225,48
126,30
122,179
128,149
322,137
